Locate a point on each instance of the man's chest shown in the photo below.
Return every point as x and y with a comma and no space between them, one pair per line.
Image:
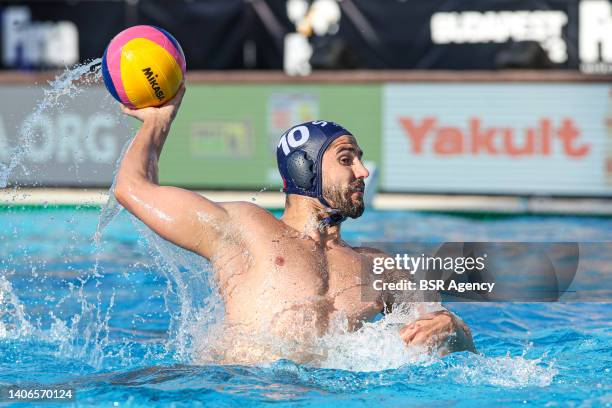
302,271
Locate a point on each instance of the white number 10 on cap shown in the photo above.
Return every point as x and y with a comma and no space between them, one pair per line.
288,139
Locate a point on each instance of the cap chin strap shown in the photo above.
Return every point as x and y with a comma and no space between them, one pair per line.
334,217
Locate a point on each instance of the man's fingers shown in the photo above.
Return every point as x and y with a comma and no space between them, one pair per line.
404,329
421,322
408,332
126,110
425,328
420,339
182,88
439,330
176,99
432,336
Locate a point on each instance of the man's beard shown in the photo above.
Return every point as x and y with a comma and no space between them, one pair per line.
342,199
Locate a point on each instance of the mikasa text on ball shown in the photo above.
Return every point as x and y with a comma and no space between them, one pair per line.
143,66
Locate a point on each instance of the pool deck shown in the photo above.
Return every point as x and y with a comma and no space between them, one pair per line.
382,201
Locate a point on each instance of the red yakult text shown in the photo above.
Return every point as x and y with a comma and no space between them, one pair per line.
540,140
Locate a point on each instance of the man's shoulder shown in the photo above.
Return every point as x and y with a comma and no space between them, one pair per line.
244,210
370,251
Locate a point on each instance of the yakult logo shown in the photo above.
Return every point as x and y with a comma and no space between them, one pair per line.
542,139
595,42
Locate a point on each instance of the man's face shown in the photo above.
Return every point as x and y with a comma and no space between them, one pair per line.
343,175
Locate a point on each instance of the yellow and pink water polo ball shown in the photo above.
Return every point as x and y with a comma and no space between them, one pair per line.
143,66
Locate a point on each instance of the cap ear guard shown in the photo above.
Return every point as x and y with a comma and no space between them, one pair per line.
300,169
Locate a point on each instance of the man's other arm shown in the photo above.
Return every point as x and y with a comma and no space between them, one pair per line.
441,330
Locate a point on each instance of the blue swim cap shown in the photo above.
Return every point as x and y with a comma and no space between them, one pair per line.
299,155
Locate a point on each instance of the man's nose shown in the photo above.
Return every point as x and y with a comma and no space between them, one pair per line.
361,171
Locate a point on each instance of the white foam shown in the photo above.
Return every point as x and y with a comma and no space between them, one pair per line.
507,371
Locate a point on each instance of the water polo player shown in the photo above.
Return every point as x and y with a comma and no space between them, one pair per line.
284,282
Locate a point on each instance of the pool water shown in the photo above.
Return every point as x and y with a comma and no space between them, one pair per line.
112,318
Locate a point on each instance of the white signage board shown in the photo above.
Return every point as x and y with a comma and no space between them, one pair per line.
498,138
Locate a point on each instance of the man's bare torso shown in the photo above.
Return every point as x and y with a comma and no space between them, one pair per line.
279,281
282,288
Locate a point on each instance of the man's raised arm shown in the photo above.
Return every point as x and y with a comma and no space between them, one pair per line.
179,216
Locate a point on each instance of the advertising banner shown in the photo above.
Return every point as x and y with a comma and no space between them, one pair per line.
224,136
459,34
46,141
498,138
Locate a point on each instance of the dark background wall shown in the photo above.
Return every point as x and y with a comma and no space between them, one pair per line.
381,34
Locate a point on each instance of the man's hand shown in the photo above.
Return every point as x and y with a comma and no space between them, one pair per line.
165,112
441,331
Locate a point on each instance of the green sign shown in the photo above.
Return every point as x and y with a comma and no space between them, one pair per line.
225,135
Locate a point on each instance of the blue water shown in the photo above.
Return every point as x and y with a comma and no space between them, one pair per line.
110,319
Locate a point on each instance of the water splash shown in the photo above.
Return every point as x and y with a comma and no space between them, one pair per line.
111,208
506,371
377,345
191,297
254,198
69,84
83,335
14,322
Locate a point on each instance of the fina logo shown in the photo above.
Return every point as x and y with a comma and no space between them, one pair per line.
543,26
27,43
595,42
